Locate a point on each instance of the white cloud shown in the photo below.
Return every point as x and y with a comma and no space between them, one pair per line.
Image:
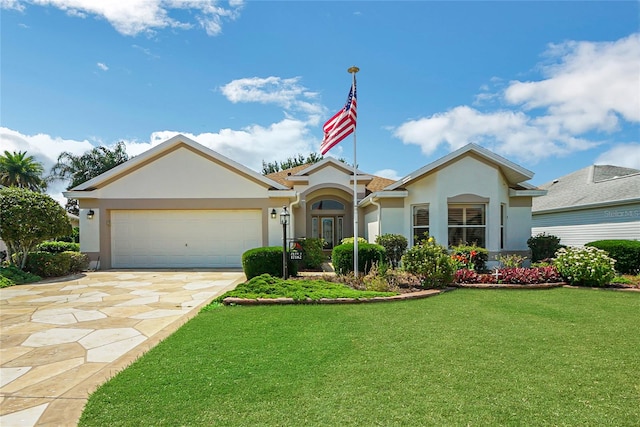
588,87
102,66
388,173
508,132
12,4
248,146
626,155
132,17
45,149
287,93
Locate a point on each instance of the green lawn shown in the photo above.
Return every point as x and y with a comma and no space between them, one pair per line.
468,357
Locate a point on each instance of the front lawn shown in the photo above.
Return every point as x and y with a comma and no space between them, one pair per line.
467,357
269,287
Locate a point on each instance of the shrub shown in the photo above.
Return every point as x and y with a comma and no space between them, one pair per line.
625,252
511,260
470,257
78,262
528,276
348,240
313,254
431,263
266,260
5,282
464,275
57,247
368,255
74,237
394,246
543,246
47,264
18,276
586,266
29,218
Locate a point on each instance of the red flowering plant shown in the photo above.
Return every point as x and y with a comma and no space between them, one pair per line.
470,257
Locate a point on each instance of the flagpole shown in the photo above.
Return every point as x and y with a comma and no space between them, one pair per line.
353,70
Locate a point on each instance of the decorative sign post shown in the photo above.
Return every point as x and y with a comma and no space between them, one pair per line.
284,220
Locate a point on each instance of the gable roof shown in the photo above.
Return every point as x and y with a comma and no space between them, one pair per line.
514,173
593,185
165,148
376,183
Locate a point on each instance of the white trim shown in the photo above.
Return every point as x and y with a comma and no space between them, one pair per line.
518,173
165,146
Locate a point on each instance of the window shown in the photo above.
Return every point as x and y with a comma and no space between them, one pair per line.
420,223
467,225
327,205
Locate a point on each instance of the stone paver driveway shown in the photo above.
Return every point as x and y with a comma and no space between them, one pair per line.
59,340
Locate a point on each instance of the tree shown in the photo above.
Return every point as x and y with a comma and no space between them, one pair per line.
19,170
79,169
291,162
27,219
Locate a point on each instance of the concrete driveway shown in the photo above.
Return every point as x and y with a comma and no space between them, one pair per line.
60,340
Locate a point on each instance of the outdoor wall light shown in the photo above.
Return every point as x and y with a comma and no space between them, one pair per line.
90,214
273,214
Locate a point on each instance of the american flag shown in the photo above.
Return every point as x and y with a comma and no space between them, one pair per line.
342,124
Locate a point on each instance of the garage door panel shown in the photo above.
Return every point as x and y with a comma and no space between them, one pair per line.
154,239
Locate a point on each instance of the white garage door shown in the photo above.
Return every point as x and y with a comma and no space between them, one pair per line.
183,238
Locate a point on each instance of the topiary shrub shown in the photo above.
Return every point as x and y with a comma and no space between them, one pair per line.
266,260
470,257
586,266
313,254
47,264
394,246
543,246
625,252
57,247
431,263
368,255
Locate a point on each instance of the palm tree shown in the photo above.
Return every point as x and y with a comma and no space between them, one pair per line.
79,169
19,170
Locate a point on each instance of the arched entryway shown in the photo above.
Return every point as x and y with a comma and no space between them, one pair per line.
328,217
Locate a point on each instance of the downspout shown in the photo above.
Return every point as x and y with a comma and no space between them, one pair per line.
291,205
377,205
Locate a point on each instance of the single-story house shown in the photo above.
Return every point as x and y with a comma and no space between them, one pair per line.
181,204
595,203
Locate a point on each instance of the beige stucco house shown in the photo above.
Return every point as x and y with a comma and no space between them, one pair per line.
181,204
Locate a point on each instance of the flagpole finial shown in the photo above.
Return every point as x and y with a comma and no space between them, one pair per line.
353,69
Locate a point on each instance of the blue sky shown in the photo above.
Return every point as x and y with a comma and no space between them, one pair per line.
553,86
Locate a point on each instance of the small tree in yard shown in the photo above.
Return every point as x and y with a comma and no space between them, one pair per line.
27,219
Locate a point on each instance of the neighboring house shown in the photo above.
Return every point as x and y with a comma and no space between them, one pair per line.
595,203
181,204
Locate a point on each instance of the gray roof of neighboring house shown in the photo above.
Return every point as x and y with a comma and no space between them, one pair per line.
593,185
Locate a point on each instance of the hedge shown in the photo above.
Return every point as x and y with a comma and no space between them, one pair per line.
368,254
266,260
625,252
57,247
47,264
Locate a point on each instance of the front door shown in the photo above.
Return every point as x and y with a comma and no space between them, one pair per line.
326,231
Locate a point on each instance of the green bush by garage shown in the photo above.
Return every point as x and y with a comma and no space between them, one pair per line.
48,264
625,252
266,260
